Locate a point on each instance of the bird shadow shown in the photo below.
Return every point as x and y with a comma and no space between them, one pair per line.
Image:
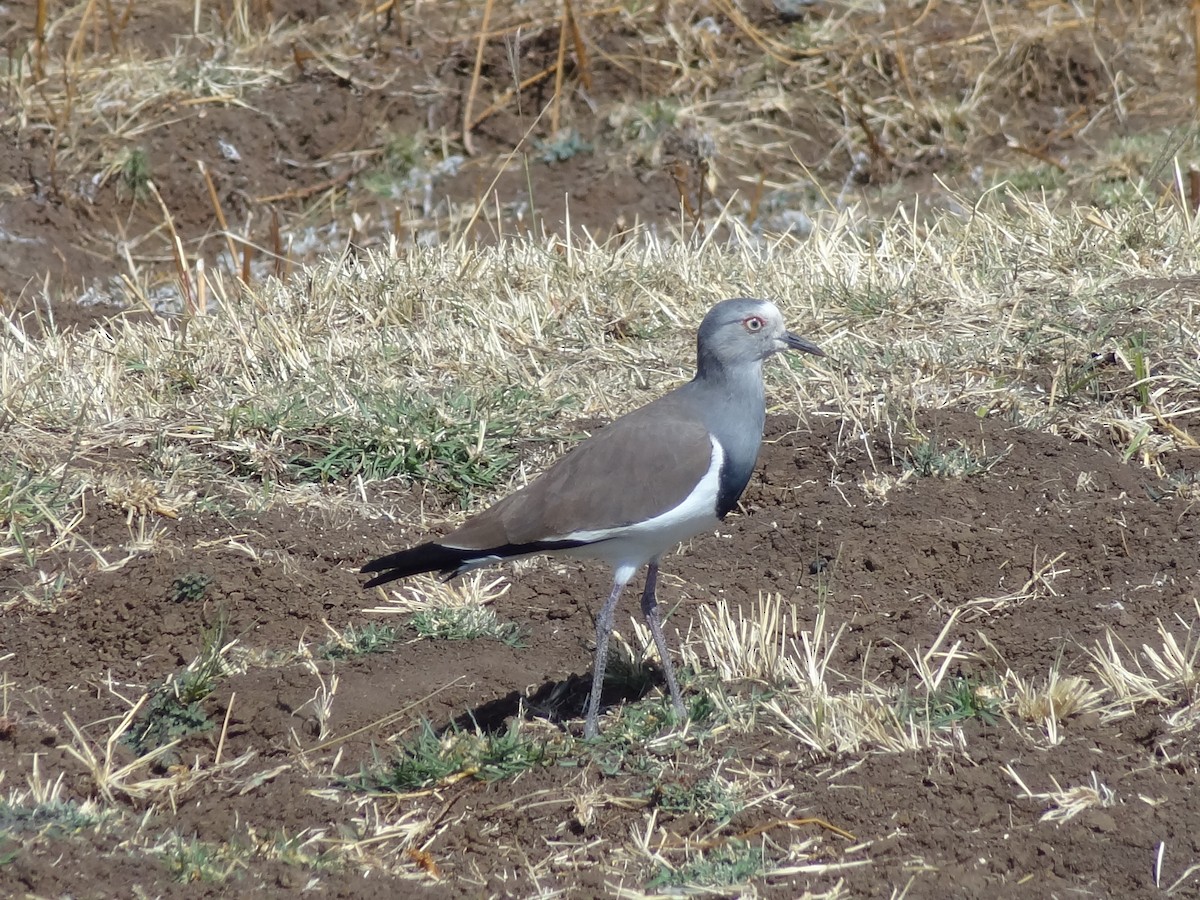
559,702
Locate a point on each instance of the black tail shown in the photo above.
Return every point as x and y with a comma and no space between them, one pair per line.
428,557
451,561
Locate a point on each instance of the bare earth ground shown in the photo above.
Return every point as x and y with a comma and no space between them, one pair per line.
1019,573
949,820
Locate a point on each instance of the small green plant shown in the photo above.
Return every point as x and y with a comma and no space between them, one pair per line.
465,623
1033,180
176,708
370,638
960,699
30,501
1185,484
190,587
563,145
58,817
46,591
928,458
732,864
402,158
459,442
429,759
1139,363
416,764
640,722
509,753
628,673
300,850
193,861
710,798
135,174
651,119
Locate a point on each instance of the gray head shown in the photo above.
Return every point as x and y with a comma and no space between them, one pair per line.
744,331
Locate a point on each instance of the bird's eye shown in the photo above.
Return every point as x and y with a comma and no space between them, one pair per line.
753,323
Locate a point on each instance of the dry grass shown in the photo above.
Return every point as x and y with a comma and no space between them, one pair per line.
358,333
769,125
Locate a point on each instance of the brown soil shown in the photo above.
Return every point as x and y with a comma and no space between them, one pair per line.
951,822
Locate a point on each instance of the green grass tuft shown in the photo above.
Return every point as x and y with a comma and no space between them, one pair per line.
960,699
709,798
30,502
57,817
176,708
930,458
135,174
457,442
733,864
193,861
564,145
466,623
370,638
429,759
190,587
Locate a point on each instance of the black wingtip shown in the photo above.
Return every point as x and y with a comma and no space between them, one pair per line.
451,561
428,557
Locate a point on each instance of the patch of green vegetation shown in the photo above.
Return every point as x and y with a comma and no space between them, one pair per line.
191,861
1116,193
402,158
466,623
735,863
709,798
639,723
868,300
1139,362
703,709
930,458
190,587
508,754
1131,168
30,501
958,700
799,36
651,119
1185,484
564,145
1034,180
627,673
176,708
45,593
623,738
416,764
370,638
429,759
135,174
297,851
57,817
459,442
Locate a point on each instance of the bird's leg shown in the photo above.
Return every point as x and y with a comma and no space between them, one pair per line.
650,613
604,627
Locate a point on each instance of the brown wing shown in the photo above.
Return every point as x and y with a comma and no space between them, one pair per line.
638,467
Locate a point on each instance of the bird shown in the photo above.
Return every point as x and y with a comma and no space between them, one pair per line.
638,487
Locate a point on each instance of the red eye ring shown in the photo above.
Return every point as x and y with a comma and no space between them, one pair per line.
753,323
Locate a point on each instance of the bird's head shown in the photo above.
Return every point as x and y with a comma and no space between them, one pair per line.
744,331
